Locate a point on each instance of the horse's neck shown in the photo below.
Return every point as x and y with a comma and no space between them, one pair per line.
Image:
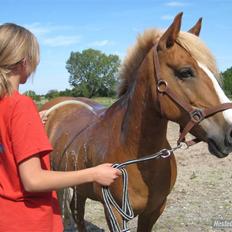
143,129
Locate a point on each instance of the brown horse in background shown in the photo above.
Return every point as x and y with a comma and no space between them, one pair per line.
86,134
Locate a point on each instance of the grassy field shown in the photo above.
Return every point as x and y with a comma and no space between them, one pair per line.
106,101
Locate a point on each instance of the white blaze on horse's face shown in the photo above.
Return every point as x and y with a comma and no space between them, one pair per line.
221,95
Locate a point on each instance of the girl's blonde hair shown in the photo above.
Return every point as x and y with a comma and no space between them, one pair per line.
17,44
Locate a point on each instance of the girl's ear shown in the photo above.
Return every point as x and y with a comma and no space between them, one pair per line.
24,62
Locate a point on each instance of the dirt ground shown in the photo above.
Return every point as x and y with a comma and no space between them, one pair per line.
200,201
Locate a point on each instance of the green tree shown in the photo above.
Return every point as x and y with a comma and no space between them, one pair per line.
52,94
32,94
227,81
66,92
93,73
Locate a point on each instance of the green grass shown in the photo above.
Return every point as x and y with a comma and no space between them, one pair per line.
42,101
106,101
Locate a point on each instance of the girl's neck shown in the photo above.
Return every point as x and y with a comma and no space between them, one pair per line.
15,81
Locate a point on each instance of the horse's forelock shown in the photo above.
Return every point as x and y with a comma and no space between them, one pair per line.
198,50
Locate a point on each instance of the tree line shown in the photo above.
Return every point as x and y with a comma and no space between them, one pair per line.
92,73
227,81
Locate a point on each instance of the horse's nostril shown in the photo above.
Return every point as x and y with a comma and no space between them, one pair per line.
230,134
228,140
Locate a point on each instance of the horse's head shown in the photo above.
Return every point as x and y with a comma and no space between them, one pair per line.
188,79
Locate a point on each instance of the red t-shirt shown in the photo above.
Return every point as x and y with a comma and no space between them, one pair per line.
22,135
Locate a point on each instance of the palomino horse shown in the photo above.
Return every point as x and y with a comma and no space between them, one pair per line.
164,77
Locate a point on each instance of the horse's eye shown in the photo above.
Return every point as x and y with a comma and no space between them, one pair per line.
184,73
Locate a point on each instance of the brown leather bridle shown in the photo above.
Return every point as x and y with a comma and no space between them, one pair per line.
196,114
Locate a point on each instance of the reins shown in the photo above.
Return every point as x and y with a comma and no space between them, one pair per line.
126,211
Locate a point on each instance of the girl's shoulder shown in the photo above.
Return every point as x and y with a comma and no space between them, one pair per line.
20,97
17,98
17,102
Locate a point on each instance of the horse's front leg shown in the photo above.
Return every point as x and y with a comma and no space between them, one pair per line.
77,207
147,220
117,216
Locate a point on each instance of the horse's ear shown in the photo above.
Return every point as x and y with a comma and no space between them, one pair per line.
196,29
167,40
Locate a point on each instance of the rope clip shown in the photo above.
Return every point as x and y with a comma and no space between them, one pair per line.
165,153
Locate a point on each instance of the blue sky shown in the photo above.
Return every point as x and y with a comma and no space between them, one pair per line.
111,26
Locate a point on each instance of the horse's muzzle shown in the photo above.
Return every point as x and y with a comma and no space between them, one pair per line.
221,147
215,149
228,137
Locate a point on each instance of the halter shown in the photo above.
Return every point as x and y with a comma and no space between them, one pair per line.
196,115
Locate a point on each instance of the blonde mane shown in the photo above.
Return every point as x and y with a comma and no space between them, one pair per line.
196,48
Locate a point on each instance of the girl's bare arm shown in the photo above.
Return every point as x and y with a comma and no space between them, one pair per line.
35,179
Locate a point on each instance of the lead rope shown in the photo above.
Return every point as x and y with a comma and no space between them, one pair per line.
126,210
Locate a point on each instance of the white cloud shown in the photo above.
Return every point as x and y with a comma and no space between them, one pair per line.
38,29
166,17
175,4
61,40
53,35
101,43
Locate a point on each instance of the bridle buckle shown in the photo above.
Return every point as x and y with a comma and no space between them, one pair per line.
162,86
197,115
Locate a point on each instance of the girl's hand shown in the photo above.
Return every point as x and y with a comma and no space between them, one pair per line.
105,174
43,116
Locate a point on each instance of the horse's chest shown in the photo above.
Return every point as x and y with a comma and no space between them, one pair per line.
149,187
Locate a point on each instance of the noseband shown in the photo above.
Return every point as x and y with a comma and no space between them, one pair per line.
196,115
